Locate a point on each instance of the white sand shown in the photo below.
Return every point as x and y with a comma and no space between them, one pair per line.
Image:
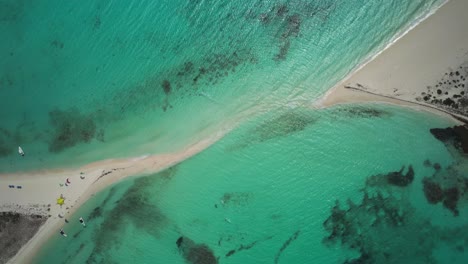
418,59
39,189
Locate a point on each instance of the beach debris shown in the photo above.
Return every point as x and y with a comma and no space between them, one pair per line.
82,221
20,151
63,232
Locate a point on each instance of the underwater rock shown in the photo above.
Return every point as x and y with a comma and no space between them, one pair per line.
457,136
195,253
395,178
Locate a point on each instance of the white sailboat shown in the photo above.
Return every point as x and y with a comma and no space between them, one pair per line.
20,151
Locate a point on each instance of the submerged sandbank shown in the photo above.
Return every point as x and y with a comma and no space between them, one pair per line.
427,68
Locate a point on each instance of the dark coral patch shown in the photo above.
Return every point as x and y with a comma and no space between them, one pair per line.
195,253
398,179
395,178
70,128
451,197
432,191
166,85
457,136
133,208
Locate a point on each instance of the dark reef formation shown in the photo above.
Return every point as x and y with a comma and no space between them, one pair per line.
195,253
448,186
70,128
362,112
456,136
283,125
135,208
450,92
15,230
395,178
385,227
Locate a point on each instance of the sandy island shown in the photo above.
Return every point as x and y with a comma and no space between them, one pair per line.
418,70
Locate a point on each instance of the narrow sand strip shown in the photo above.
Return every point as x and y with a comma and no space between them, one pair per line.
411,68
45,187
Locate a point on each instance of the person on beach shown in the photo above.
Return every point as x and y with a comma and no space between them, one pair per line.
62,232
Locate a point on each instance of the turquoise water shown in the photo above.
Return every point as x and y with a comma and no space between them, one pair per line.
82,82
96,80
276,178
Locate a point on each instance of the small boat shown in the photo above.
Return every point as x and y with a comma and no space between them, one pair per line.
20,151
63,233
82,221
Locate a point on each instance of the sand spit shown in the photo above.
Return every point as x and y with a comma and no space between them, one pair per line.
40,190
426,69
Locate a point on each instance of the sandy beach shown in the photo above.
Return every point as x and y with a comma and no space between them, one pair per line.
424,69
41,189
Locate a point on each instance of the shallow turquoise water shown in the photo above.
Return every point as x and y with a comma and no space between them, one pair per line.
95,80
271,179
82,82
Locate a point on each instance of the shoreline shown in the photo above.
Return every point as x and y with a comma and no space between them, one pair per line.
44,187
409,72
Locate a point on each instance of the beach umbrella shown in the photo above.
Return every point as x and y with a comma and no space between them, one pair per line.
60,200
